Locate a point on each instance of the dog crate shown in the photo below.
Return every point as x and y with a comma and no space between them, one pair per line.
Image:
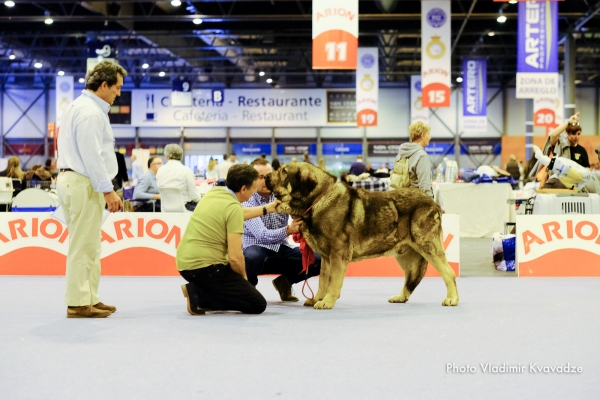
566,203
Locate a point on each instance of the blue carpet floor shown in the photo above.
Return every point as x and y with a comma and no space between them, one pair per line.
363,348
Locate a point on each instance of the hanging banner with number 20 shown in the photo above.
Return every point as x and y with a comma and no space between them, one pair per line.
435,53
334,34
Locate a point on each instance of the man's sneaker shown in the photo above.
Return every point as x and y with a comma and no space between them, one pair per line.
192,301
86,312
102,306
284,287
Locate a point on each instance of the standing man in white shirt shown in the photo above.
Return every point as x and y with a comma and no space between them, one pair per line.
137,170
224,167
87,164
176,175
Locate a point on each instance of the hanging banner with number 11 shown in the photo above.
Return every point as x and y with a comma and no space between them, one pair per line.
334,34
435,53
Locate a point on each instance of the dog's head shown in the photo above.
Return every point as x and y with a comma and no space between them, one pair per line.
297,185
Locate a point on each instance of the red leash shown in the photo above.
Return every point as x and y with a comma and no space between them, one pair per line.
308,255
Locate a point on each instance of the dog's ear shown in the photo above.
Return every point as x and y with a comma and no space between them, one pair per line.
308,183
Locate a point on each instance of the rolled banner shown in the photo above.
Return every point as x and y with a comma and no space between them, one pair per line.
334,34
435,53
367,86
474,87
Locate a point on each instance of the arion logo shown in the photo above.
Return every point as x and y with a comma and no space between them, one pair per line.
367,60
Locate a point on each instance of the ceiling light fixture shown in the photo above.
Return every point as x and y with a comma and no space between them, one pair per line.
261,73
12,56
161,73
48,20
269,80
501,18
577,81
175,3
459,79
513,2
145,65
9,3
38,65
81,80
61,73
197,21
491,33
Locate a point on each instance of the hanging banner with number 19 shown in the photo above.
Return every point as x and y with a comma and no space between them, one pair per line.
334,34
435,53
367,86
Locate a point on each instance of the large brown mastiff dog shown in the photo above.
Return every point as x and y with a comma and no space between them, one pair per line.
344,224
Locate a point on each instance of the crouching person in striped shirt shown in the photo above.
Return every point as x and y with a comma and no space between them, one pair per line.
265,244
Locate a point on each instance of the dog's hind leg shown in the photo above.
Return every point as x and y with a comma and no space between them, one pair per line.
323,282
414,267
333,284
437,258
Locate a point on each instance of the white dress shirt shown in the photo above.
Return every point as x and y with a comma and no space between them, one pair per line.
176,175
224,168
86,143
137,171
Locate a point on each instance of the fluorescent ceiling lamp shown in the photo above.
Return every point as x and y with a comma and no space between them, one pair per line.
9,3
48,21
38,65
261,73
176,3
81,80
197,21
61,73
491,33
459,79
145,65
513,2
269,80
12,56
161,73
501,19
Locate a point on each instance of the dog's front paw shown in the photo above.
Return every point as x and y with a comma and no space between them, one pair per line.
324,305
450,301
310,302
399,298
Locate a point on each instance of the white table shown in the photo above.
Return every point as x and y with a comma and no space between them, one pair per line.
482,208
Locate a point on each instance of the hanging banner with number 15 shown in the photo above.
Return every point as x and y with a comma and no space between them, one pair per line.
435,53
334,34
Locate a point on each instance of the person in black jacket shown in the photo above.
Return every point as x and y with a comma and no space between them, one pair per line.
122,178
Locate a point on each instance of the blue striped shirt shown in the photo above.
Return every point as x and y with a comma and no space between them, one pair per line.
266,231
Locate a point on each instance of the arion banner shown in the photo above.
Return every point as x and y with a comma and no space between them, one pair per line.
144,244
558,245
549,111
334,34
474,88
537,50
367,86
417,111
435,53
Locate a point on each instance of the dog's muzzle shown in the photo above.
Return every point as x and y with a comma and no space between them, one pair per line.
268,182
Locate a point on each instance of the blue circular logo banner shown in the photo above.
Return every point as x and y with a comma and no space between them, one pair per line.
367,60
436,17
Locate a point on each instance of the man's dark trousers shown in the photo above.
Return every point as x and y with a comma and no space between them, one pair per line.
218,287
287,262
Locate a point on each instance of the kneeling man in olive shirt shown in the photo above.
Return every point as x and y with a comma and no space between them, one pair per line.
210,254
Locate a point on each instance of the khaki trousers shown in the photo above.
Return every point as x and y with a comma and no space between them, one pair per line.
82,208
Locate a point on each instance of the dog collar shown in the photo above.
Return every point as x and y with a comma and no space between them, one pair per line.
317,200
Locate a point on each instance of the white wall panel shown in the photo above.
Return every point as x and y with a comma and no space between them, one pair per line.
123,131
205,132
394,114
160,132
584,102
296,133
21,99
336,133
250,132
208,148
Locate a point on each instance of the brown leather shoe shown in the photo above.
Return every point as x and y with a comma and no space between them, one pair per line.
102,306
284,287
192,301
86,312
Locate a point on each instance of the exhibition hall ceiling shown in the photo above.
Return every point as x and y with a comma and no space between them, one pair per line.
244,43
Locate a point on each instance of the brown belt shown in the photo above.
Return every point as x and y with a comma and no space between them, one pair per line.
65,170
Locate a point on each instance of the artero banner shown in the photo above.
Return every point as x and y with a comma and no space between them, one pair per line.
474,87
537,50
